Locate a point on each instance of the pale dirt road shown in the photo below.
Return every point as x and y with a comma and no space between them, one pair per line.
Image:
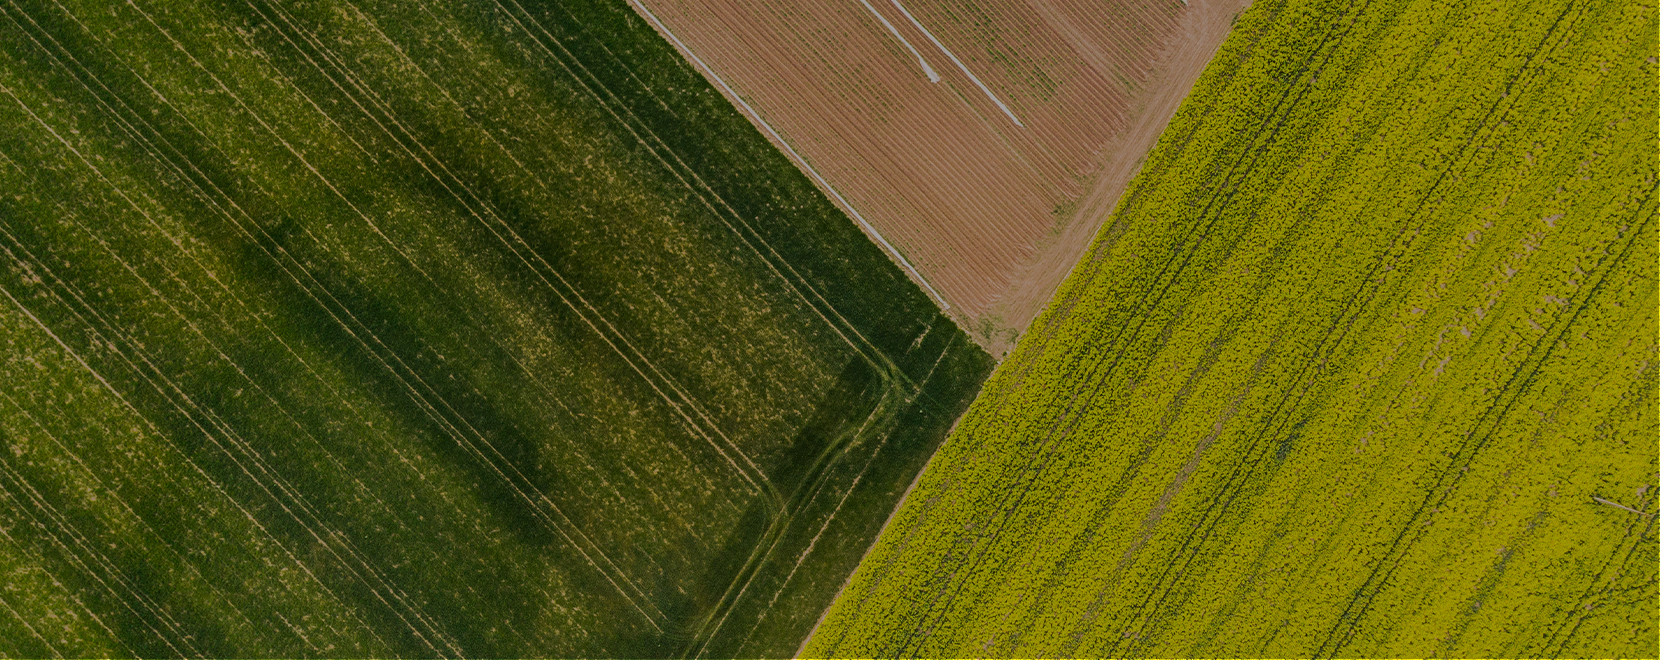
991,215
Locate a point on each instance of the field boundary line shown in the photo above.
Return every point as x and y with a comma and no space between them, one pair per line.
760,557
779,140
898,383
885,367
704,192
885,409
886,520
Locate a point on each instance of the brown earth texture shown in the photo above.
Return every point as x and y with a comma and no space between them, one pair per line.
982,143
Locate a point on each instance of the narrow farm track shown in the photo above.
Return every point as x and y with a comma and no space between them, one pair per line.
1348,375
439,330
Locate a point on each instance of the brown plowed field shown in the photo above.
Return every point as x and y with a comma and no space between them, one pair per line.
991,213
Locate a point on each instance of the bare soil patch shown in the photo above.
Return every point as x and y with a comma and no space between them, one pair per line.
991,214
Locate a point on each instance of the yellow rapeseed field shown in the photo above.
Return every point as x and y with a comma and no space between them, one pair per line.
1364,365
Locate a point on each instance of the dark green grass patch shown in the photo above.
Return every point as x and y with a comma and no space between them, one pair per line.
430,329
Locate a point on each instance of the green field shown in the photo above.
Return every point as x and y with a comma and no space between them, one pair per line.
1373,327
379,328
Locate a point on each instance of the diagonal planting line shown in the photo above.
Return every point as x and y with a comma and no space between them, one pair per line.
143,373
932,76
959,63
665,387
7,535
50,647
80,553
676,398
311,520
1308,375
113,330
579,541
1361,600
559,522
248,461
1486,425
70,594
530,375
126,507
213,483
